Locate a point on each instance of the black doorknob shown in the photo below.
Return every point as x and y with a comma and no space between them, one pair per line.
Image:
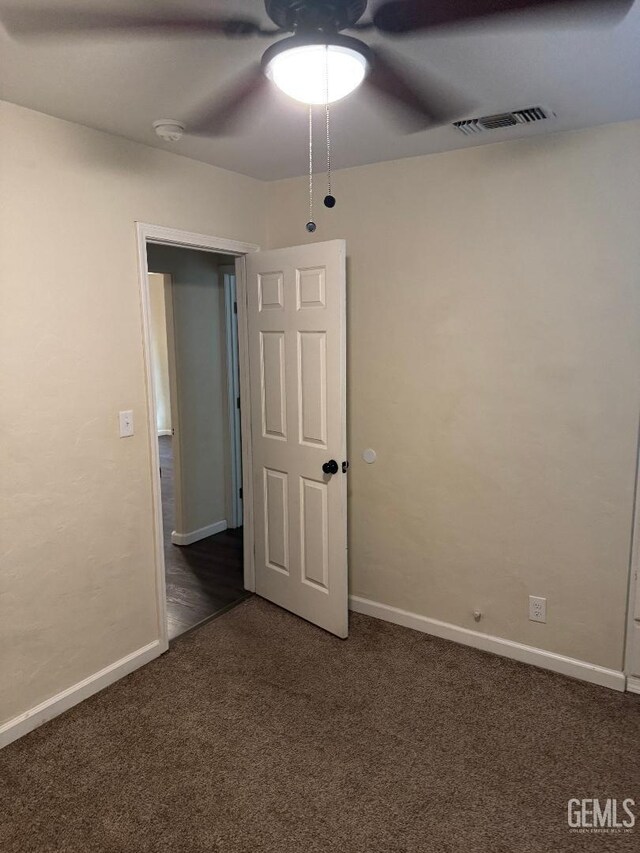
330,467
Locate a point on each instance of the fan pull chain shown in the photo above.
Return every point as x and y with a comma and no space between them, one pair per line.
329,200
311,225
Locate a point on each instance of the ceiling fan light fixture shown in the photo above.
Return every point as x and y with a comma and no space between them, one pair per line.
302,69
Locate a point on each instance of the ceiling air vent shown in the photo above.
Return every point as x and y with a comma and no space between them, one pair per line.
472,126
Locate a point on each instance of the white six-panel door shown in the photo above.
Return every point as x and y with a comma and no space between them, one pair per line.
297,367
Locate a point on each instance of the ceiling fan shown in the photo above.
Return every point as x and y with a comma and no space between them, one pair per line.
316,63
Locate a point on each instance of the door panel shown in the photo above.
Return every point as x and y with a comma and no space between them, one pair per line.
272,379
313,530
270,291
276,528
312,388
297,367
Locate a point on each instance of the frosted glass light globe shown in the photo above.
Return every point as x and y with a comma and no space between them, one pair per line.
303,72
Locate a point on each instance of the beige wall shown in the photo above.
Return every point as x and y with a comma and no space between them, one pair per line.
77,588
494,352
202,432
159,353
493,365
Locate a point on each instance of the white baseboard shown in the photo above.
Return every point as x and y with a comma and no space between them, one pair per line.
633,684
506,648
165,432
195,535
50,708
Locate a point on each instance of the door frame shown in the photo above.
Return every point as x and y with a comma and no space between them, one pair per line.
148,233
175,408
229,278
167,284
631,666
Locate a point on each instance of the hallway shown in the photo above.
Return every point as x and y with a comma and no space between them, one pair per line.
203,579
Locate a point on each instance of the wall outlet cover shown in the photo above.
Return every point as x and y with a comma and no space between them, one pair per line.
537,608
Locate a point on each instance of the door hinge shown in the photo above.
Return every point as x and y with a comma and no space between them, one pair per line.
240,492
238,402
235,307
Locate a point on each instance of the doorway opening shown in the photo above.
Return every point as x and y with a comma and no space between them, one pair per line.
291,357
193,350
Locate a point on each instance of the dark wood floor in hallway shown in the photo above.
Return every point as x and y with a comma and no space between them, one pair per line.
203,579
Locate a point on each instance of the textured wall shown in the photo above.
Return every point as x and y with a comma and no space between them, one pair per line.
493,364
77,586
494,352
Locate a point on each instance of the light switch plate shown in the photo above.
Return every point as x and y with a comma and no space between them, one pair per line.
126,423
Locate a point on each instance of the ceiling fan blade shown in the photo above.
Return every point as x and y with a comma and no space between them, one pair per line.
407,16
420,104
225,113
51,22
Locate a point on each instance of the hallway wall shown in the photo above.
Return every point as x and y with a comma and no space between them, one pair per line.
159,353
201,442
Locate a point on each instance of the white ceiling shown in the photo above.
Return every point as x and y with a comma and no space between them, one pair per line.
587,75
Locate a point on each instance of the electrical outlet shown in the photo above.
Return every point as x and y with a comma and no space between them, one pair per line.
537,609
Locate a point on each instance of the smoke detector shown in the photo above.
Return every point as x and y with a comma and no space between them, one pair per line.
168,129
528,115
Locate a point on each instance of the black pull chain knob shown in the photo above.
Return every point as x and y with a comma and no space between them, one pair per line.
330,467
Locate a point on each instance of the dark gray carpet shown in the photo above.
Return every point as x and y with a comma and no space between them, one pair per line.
261,733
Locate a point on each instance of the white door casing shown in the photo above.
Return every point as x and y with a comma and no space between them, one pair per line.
632,655
233,391
297,364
